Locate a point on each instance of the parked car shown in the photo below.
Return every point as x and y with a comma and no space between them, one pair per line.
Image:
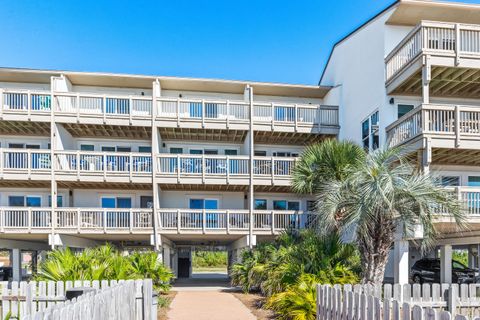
428,270
6,273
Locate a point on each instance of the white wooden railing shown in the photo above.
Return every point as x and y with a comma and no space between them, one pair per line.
115,299
94,104
12,160
448,121
436,38
238,111
398,302
25,101
75,219
185,164
102,162
232,220
199,109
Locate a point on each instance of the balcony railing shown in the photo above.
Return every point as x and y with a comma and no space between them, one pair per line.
442,121
25,101
238,111
102,162
102,105
437,38
75,219
194,109
469,197
232,220
184,164
22,160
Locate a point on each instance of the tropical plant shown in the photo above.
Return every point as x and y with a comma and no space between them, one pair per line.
273,267
383,194
298,301
329,161
104,263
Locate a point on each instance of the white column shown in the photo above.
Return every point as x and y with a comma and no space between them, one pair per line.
426,77
400,260
156,93
446,264
250,136
16,260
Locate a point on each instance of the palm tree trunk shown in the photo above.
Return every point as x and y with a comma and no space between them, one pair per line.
374,244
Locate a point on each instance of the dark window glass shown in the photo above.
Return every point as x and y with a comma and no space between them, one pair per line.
474,181
260,204
259,153
108,149
176,150
144,149
450,181
403,109
230,152
16,201
87,147
279,205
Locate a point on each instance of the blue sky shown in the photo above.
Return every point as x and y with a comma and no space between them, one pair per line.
261,40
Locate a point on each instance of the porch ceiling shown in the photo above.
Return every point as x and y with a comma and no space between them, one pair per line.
235,136
288,138
446,82
464,157
103,186
108,131
24,184
27,128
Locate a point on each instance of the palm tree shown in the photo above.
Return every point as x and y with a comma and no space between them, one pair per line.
383,194
320,163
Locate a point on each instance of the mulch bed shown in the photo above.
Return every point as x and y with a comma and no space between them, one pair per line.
255,303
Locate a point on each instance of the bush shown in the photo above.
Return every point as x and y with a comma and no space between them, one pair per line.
287,270
104,263
204,259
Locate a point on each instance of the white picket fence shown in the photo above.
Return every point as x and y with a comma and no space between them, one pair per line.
398,302
46,300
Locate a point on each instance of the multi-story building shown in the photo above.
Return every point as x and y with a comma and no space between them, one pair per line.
177,162
410,77
144,161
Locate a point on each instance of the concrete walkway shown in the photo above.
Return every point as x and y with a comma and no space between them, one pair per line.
206,299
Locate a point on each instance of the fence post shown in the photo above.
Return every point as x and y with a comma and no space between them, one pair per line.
452,299
147,300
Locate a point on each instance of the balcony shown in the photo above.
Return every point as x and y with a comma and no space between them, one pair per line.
214,169
103,166
75,220
446,126
18,163
235,115
30,103
453,51
230,221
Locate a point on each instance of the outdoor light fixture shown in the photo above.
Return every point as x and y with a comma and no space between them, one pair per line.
392,101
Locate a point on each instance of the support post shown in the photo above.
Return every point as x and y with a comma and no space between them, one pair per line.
401,267
16,259
155,150
251,202
446,264
426,77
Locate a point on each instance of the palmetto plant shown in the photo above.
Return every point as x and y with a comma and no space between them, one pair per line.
381,197
298,301
104,263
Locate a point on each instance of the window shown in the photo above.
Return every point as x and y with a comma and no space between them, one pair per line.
146,202
33,201
311,205
145,149
260,153
260,204
32,146
176,150
87,147
474,181
403,109
286,205
15,145
285,154
59,201
196,151
117,202
370,138
230,152
16,201
293,205
108,149
209,204
450,181
211,151
124,149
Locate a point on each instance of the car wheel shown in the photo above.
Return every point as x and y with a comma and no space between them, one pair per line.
417,279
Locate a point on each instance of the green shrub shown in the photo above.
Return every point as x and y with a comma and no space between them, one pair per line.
104,263
205,259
